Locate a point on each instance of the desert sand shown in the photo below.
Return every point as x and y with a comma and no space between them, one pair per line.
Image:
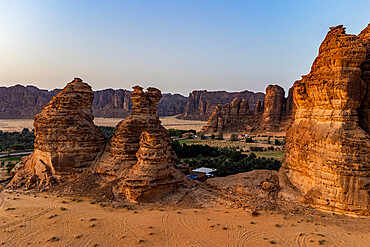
49,220
168,122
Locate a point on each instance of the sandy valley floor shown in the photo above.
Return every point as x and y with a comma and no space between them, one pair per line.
167,122
48,220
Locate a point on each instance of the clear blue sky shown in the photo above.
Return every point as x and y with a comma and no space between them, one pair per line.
177,46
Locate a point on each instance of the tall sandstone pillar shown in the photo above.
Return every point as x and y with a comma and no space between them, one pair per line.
327,151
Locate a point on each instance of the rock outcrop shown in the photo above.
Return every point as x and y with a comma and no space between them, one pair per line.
327,152
140,156
67,141
23,102
273,108
20,102
364,110
275,113
201,104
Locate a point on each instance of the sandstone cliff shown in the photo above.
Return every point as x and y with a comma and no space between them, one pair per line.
18,102
274,114
364,110
201,104
327,152
140,156
66,138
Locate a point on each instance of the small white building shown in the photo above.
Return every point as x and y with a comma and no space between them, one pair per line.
204,170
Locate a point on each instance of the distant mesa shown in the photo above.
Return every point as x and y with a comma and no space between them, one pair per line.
25,102
328,146
201,104
274,114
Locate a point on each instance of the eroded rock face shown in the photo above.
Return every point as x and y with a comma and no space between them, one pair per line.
201,104
66,137
327,152
273,108
140,153
364,110
275,113
67,141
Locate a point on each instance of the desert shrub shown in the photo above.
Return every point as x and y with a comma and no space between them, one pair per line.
277,142
257,149
220,136
249,139
233,137
9,166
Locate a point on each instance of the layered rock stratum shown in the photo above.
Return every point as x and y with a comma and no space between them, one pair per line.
275,113
138,163
327,148
201,104
140,154
66,138
24,102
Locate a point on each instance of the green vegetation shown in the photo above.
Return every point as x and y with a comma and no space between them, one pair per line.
107,131
233,137
189,141
227,161
220,136
178,133
248,139
279,155
17,140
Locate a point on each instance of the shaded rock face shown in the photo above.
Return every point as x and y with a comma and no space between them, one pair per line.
140,153
327,152
172,104
273,107
25,102
275,113
364,110
201,104
112,103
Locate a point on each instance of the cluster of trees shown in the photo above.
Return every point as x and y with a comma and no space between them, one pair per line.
17,140
178,133
25,139
9,166
107,131
227,161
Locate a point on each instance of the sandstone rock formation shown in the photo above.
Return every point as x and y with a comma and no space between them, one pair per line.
18,102
364,110
275,113
66,138
327,152
201,104
273,108
140,154
23,102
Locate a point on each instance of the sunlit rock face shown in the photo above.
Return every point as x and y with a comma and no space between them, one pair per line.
66,138
275,113
327,151
140,154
